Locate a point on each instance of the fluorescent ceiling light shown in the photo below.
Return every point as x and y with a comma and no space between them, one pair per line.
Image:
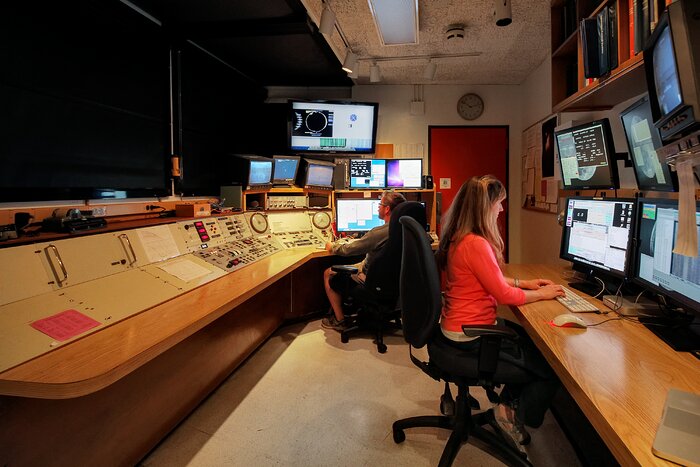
396,20
375,75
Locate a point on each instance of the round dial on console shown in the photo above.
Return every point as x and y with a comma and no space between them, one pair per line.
321,220
258,222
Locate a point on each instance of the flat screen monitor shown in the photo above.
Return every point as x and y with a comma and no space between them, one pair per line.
260,172
643,140
404,173
598,234
672,64
285,169
669,274
357,215
319,174
368,173
333,127
587,156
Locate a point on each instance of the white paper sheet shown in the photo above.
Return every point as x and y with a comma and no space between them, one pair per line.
158,242
687,239
552,190
185,269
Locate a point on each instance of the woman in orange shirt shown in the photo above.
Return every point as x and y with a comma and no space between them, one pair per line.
471,255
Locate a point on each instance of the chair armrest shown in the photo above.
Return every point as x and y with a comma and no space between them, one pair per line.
489,330
344,269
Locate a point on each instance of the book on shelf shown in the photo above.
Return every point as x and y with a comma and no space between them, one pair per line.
642,22
631,28
602,26
589,44
612,36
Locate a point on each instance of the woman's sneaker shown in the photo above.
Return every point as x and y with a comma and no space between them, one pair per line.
331,322
501,418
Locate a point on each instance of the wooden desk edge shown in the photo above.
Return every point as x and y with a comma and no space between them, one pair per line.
38,378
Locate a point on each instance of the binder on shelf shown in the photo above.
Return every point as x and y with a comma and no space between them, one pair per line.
642,20
603,53
589,44
613,60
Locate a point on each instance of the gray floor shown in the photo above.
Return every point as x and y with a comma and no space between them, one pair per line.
306,399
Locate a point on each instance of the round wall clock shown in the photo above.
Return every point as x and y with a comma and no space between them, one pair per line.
470,106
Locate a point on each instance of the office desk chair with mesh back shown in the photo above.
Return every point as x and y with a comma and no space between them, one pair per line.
375,301
420,311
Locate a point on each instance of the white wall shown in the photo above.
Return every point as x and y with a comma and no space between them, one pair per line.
502,106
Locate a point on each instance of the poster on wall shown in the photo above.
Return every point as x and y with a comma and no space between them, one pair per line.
548,147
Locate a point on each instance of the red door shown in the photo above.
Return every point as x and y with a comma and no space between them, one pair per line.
458,153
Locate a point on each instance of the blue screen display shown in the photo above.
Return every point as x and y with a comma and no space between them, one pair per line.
260,172
285,169
357,215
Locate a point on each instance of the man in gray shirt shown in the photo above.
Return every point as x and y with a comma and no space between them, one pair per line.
368,245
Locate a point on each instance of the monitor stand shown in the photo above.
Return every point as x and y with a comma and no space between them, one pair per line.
589,288
679,332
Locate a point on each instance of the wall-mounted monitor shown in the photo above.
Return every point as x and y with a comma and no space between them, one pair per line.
672,64
367,173
357,215
643,140
332,127
404,173
674,276
597,235
317,174
285,169
587,156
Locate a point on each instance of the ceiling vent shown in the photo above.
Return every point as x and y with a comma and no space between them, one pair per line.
455,32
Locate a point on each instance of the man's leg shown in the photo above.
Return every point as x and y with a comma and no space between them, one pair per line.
334,297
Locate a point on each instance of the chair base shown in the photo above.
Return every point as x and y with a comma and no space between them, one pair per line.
463,426
358,325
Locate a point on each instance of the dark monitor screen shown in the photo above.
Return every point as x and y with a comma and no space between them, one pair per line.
319,174
643,140
367,173
285,169
404,173
587,156
598,233
657,266
333,127
357,215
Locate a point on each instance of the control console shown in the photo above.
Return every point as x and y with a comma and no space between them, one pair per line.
240,253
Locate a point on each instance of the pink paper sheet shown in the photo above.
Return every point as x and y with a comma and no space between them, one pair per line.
64,325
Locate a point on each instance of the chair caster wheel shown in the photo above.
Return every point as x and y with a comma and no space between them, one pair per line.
381,348
447,405
399,436
344,338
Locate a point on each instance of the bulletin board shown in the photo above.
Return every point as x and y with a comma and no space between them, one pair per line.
540,166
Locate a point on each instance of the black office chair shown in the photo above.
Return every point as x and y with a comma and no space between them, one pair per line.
374,303
421,304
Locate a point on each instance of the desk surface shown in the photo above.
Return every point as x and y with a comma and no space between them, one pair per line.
99,359
619,372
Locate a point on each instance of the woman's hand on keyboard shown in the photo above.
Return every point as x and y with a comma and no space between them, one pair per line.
534,284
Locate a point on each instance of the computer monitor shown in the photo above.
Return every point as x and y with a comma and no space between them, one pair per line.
318,174
333,127
354,215
250,171
666,273
597,237
652,173
368,173
285,169
672,64
404,173
587,156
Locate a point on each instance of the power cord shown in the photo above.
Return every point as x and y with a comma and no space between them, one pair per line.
151,207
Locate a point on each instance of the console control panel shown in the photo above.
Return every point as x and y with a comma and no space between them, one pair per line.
290,240
275,202
240,253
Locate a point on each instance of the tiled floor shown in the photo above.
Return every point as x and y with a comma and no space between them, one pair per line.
306,399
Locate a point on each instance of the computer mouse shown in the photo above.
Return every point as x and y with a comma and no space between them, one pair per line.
569,321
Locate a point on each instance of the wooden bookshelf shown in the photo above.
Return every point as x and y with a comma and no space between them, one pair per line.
569,90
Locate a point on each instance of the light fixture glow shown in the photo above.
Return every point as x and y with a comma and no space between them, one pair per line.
396,20
350,61
375,75
430,69
327,25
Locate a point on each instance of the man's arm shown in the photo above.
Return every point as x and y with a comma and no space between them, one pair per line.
362,245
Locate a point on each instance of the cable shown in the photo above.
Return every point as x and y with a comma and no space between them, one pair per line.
604,289
605,321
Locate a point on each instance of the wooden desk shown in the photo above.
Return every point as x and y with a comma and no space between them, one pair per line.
109,397
619,372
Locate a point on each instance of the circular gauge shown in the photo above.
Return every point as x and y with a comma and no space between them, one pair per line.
258,222
316,121
321,220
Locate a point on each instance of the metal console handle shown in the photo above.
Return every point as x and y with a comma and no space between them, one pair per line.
123,237
60,263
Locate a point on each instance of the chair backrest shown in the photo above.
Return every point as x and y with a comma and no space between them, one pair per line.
383,277
419,285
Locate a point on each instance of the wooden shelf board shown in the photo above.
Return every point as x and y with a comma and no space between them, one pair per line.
568,47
